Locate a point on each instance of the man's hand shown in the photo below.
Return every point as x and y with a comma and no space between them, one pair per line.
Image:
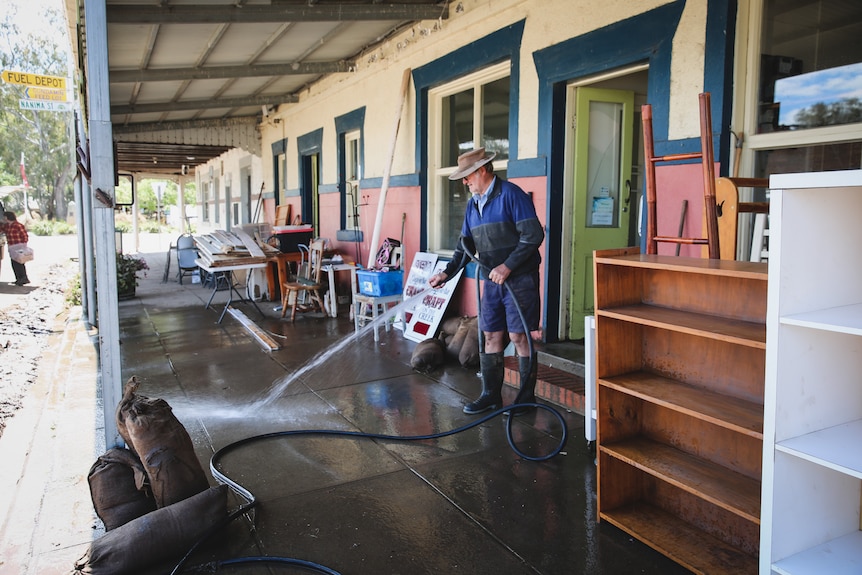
437,279
499,274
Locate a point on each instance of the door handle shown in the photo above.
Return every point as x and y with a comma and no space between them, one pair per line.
628,195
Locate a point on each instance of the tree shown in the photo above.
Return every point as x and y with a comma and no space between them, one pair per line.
844,111
41,138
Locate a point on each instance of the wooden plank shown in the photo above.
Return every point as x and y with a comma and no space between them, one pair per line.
723,410
731,268
282,215
692,548
719,485
260,335
750,334
249,243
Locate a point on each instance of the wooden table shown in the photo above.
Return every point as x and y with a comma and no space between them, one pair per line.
281,261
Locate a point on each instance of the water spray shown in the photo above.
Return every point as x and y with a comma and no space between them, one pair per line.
250,500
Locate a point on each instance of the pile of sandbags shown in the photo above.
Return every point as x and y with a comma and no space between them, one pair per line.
153,497
461,335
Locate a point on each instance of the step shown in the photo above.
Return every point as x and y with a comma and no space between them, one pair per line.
565,356
553,384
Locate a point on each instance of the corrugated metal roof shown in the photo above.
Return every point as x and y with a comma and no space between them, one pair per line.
202,73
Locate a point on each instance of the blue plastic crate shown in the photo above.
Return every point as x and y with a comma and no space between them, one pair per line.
379,284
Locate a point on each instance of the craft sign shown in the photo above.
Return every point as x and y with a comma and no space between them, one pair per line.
417,282
428,313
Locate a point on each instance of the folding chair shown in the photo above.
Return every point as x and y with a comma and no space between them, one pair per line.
187,253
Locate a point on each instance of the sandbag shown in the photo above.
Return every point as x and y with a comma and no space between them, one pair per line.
120,416
449,326
163,445
119,488
454,343
468,355
428,355
157,537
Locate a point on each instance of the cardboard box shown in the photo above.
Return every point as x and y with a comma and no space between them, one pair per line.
378,284
289,237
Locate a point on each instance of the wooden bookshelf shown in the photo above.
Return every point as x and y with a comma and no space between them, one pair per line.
680,363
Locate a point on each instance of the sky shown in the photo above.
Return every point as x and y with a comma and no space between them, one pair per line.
29,12
826,86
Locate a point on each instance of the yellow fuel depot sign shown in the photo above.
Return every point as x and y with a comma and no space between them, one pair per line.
36,80
41,93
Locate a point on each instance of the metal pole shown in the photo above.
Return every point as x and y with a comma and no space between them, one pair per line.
102,178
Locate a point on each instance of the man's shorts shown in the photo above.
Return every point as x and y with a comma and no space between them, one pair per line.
499,311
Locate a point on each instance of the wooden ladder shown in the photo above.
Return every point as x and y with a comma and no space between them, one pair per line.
706,155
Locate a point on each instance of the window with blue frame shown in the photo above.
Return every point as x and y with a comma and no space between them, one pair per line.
469,113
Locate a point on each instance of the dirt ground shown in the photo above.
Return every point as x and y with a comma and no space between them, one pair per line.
28,315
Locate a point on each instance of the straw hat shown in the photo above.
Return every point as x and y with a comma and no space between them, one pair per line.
471,161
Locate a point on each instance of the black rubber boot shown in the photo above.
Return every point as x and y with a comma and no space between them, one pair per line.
491,365
528,368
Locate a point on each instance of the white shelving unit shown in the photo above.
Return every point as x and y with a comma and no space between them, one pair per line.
812,439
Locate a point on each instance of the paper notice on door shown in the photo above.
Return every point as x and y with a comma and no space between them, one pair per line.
603,212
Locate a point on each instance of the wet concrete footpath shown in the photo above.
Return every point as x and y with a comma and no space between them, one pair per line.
466,503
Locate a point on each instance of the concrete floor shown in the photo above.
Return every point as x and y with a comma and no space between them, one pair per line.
463,504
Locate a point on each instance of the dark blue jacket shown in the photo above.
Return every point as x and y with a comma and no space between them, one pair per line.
508,231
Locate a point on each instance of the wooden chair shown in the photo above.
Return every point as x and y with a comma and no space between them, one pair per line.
729,209
706,156
307,281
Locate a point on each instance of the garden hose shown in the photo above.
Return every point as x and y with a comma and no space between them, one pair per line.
252,501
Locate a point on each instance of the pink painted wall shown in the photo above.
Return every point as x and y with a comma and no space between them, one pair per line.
676,183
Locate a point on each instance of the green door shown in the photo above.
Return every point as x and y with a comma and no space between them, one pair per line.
602,196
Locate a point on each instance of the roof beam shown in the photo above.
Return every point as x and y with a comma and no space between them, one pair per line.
213,72
204,104
257,13
180,125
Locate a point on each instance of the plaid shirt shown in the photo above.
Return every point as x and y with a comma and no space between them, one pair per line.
15,232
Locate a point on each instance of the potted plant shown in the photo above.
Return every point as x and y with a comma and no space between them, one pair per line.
127,274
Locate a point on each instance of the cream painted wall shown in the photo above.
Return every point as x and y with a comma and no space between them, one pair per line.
376,79
227,168
687,72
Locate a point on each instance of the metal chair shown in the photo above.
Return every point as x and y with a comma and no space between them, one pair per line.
187,253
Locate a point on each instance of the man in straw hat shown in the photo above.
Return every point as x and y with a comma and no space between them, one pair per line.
501,226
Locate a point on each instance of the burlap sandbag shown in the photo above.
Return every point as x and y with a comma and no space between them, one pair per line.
160,536
128,395
163,445
119,488
468,355
455,331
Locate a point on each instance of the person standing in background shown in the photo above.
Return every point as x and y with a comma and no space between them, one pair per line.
16,233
